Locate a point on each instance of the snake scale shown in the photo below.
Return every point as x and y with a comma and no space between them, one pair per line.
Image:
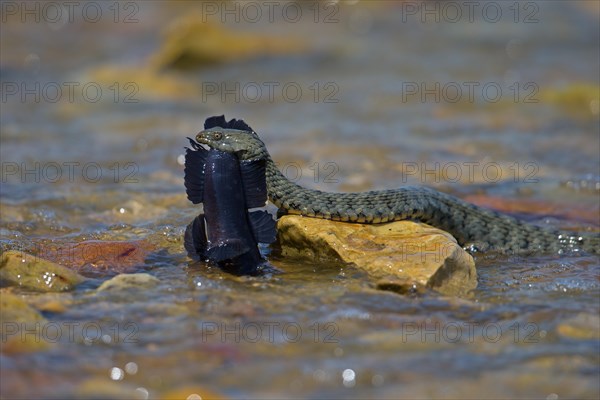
474,227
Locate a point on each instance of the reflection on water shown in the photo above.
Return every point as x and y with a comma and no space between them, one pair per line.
94,120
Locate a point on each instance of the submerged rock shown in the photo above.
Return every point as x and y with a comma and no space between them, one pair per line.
108,256
583,326
193,42
109,388
31,272
192,392
412,253
583,211
15,309
21,325
129,281
143,82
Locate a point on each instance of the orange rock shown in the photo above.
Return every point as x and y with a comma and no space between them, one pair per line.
106,255
537,207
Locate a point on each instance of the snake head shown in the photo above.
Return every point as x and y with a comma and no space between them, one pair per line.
244,143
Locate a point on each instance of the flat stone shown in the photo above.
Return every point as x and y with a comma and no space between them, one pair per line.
129,281
98,255
31,272
397,253
583,326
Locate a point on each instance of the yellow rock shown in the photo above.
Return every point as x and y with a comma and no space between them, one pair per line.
105,388
192,42
404,251
129,282
582,326
15,309
580,99
191,393
51,302
31,272
142,82
21,326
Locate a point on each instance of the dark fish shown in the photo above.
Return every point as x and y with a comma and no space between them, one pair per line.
227,234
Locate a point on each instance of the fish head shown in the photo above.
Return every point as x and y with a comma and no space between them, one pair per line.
245,144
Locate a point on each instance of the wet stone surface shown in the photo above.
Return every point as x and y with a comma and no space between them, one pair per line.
403,251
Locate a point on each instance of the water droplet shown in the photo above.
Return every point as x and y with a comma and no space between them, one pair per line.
131,368
142,393
348,374
116,374
349,377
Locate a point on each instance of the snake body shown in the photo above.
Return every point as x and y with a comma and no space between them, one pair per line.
474,227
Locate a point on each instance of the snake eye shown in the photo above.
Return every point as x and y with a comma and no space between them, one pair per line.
217,135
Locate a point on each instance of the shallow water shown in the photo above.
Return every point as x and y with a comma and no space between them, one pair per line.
80,170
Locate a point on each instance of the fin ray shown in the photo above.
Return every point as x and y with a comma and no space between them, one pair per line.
263,226
231,248
195,161
217,120
255,182
221,122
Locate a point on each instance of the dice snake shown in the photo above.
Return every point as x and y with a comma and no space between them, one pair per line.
475,228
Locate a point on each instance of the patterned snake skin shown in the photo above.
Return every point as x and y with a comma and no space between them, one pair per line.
475,228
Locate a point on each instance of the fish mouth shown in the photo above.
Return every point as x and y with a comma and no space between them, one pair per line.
197,145
202,142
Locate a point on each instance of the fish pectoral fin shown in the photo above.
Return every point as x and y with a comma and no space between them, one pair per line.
263,226
195,160
229,249
194,239
255,182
